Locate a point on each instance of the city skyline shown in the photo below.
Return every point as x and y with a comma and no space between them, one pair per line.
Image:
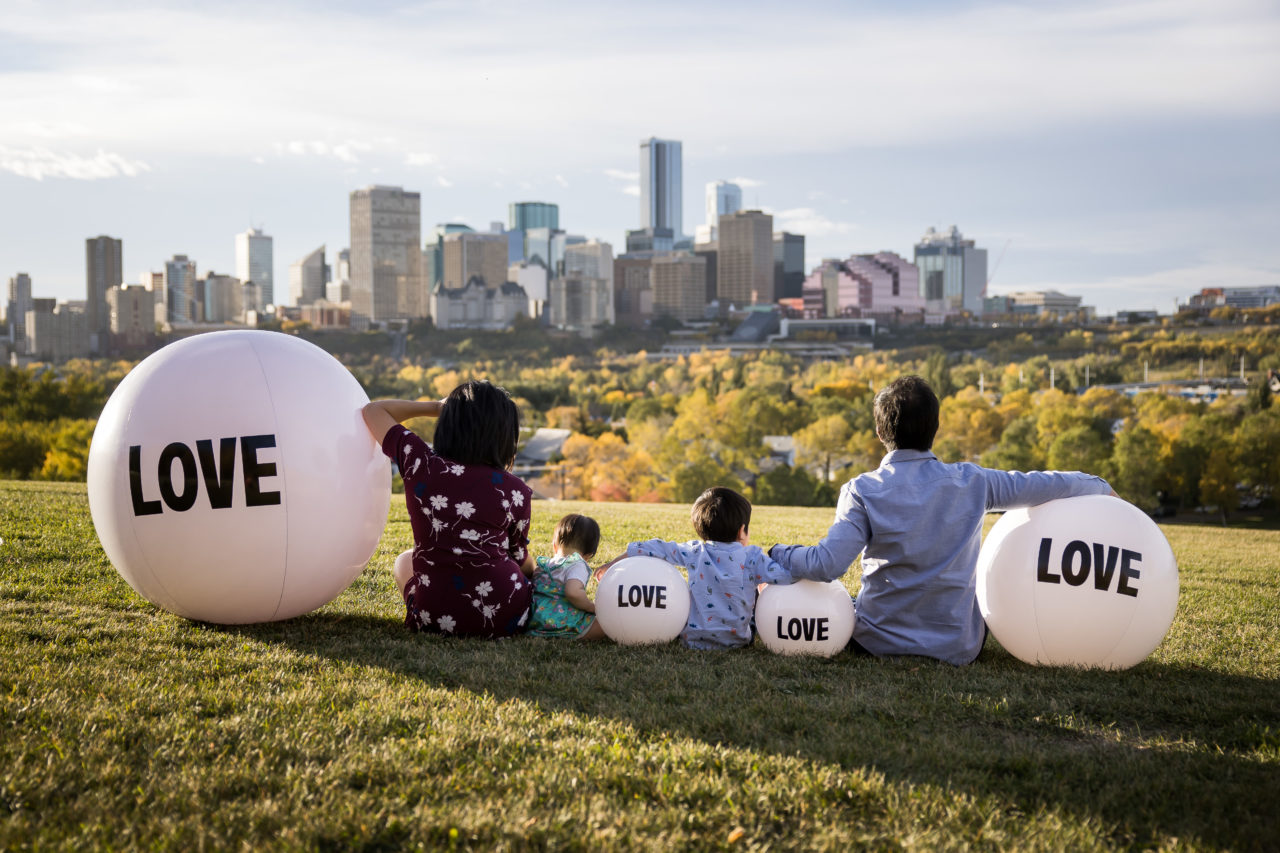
1119,151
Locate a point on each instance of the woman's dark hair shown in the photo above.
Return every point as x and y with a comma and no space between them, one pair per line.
478,425
578,533
719,513
906,414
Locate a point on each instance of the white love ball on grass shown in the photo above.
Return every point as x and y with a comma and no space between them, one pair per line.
805,618
1087,581
642,600
232,478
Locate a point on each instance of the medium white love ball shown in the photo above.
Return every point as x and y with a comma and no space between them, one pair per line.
232,479
1087,581
642,600
805,618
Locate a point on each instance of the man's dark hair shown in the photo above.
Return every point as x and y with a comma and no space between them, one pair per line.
478,425
719,513
578,533
906,413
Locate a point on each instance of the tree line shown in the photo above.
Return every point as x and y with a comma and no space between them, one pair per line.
650,429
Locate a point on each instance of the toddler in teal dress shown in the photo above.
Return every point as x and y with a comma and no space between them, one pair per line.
561,607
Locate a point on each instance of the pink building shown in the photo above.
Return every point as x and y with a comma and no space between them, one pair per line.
883,286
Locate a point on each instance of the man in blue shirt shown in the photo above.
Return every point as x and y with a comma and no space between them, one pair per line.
918,524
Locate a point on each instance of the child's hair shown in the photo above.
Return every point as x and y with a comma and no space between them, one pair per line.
577,533
719,514
906,414
478,425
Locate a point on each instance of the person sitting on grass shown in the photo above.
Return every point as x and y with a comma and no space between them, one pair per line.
918,524
469,514
724,570
561,607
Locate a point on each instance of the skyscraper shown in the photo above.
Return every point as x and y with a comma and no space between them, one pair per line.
523,215
102,272
470,254
180,290
386,255
255,262
16,310
952,270
660,185
307,278
722,197
788,265
745,263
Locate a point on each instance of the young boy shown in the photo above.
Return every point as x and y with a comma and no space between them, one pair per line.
920,523
724,569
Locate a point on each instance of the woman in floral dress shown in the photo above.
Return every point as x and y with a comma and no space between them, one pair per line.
469,514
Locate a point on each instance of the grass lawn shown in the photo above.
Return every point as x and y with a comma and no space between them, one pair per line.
122,726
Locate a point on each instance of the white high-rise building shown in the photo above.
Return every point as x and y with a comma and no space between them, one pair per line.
722,197
307,278
255,262
661,196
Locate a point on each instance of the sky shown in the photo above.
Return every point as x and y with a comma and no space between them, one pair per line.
1126,151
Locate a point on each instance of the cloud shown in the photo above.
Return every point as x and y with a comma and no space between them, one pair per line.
811,223
419,158
41,163
347,151
747,183
633,189
442,181
561,181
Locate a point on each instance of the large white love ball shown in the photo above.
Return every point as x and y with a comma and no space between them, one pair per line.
805,618
232,478
1087,581
642,600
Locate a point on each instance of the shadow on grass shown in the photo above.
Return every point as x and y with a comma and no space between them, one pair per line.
1155,751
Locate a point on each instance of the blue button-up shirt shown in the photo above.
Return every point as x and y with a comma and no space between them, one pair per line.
920,523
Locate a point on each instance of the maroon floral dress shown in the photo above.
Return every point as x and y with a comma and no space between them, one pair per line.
470,532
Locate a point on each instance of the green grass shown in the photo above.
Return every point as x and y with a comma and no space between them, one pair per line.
122,726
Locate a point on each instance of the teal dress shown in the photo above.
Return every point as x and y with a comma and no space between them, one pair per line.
553,615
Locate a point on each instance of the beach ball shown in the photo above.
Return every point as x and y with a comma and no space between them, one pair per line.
232,479
1086,581
642,600
805,618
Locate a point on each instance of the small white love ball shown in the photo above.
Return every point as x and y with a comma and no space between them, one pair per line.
1087,581
805,618
232,479
642,600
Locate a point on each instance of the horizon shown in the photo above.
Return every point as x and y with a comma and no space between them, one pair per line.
1123,153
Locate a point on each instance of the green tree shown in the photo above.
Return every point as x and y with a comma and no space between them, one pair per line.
68,455
787,486
1017,448
824,442
695,477
1218,482
937,372
1080,448
1133,474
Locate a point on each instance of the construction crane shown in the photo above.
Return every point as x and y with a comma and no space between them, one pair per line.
1003,249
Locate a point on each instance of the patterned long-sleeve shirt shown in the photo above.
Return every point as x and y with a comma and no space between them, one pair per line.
722,584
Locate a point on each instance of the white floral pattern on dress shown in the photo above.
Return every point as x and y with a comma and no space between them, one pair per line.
517,498
439,501
457,470
484,588
465,509
446,623
470,535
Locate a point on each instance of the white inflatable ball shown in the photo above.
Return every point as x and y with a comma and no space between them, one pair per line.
232,479
805,618
1087,581
642,600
